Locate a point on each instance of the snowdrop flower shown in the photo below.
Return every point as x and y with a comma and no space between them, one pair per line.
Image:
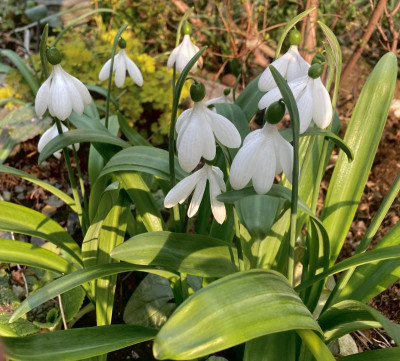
185,51
220,100
61,92
196,128
122,63
291,65
51,133
264,153
312,98
197,182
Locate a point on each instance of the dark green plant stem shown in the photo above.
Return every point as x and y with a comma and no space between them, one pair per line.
83,311
71,176
114,48
238,241
366,240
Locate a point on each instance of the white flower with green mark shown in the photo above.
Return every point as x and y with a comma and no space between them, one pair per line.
197,182
121,65
264,153
50,134
61,92
312,99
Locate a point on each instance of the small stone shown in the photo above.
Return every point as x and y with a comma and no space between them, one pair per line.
49,210
7,196
54,201
37,241
19,188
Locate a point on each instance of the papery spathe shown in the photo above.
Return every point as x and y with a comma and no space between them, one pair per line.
264,153
51,133
182,54
197,182
291,66
61,93
122,63
312,98
196,128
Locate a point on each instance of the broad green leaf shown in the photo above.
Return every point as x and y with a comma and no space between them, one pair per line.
75,344
385,354
20,327
148,160
37,224
79,136
78,278
72,301
111,235
362,136
34,256
58,193
348,316
230,311
22,68
249,98
140,195
236,115
130,133
357,260
150,304
369,280
100,90
188,253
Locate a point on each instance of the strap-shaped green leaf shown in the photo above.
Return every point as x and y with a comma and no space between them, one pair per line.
362,136
48,187
143,159
230,311
315,344
79,136
75,344
189,253
23,69
249,98
385,354
131,134
19,219
348,316
31,255
78,278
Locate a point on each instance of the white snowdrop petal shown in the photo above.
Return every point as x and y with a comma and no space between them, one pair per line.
48,135
252,136
134,71
217,207
57,154
197,196
220,100
173,55
322,107
272,96
185,115
190,146
244,164
219,176
305,106
105,70
267,81
83,91
120,72
297,67
264,175
42,97
59,96
224,130
182,190
209,147
74,95
284,156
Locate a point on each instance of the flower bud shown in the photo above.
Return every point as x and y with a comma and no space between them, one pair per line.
53,56
315,70
318,59
275,112
122,43
294,37
227,92
197,91
187,29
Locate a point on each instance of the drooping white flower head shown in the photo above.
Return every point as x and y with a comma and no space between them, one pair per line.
264,153
51,133
197,182
291,66
61,93
122,63
196,128
312,99
182,54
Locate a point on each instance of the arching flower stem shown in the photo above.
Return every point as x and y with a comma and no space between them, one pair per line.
114,49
